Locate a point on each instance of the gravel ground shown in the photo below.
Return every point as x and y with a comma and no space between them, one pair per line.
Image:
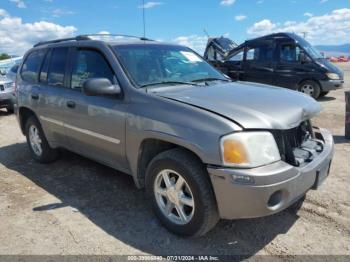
76,206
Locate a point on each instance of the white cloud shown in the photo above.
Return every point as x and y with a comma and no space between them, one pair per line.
16,36
308,14
227,2
332,28
150,4
240,17
196,42
19,3
58,12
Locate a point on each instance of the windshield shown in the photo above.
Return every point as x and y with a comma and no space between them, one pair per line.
225,43
150,64
309,49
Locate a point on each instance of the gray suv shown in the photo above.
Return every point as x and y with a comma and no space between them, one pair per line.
204,147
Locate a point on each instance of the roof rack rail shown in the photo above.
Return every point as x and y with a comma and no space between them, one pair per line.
88,37
77,38
119,35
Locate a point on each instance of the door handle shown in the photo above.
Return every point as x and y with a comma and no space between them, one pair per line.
35,96
71,104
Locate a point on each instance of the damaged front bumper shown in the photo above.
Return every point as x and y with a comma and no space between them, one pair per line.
262,191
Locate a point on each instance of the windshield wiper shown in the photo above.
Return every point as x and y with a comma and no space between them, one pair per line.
170,83
211,79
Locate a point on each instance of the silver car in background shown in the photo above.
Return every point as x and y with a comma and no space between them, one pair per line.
7,94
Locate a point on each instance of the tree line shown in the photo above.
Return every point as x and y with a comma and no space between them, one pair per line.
4,56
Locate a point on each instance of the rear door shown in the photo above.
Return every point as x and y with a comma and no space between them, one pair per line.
259,62
51,95
95,125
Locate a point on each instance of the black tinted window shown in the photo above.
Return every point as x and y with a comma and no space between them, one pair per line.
45,68
31,66
289,52
89,64
57,67
261,53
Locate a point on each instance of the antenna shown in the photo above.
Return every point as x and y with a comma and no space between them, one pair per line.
143,18
206,33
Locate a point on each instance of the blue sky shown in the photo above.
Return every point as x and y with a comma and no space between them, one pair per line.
174,20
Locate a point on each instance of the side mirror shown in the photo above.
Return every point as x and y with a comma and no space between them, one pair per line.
100,87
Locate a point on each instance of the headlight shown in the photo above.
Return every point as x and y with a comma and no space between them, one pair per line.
249,149
333,76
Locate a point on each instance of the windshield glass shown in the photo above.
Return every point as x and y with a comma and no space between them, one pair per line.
225,43
149,64
310,50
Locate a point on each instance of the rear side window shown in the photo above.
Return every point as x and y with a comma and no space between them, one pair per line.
57,67
260,53
89,64
30,68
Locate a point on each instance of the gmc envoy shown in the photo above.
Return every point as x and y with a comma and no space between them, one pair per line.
204,147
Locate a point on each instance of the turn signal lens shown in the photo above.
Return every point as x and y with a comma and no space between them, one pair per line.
234,152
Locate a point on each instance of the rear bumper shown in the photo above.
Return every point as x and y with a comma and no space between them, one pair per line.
274,188
331,85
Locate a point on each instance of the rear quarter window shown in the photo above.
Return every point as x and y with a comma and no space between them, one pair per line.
31,65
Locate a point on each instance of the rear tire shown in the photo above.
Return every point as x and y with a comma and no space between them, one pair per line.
310,88
40,149
199,209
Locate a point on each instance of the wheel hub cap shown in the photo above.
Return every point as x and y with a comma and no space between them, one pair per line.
174,197
35,140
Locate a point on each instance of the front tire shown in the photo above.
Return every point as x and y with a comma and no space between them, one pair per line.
323,94
310,88
39,147
181,193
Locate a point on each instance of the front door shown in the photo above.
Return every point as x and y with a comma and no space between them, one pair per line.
289,69
96,124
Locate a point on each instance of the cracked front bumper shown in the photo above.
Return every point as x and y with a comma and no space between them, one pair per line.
274,187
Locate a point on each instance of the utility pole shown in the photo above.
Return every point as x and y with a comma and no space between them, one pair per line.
143,18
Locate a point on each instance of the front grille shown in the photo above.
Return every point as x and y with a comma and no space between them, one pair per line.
2,88
288,140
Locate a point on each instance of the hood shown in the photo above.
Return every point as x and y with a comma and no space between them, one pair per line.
330,67
251,105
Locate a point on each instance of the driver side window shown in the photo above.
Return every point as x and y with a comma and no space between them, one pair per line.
89,64
289,53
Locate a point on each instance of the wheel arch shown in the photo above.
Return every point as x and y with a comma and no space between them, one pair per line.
150,148
23,114
309,79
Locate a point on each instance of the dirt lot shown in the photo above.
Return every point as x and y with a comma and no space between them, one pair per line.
75,206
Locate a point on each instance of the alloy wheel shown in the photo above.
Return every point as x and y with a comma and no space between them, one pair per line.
174,197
